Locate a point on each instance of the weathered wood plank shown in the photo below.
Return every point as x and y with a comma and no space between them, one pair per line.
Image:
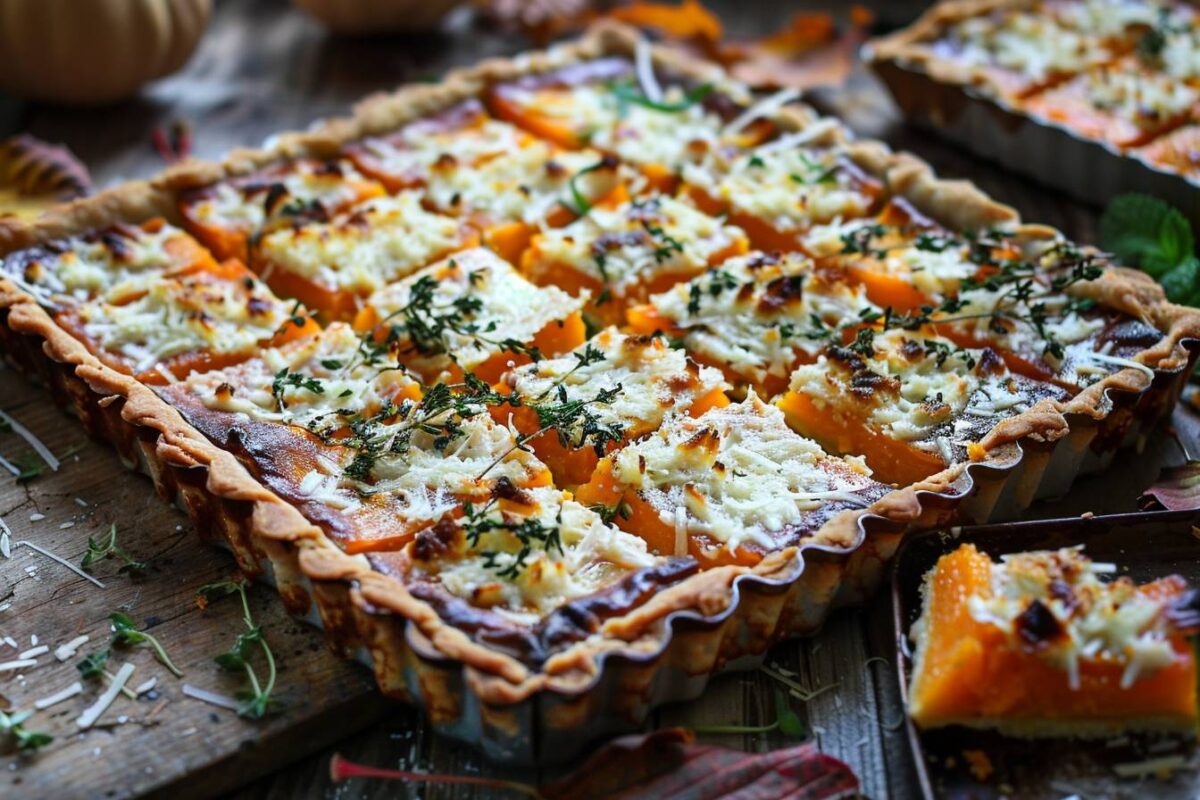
164,741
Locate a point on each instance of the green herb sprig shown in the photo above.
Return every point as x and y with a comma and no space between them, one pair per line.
13,725
98,549
93,667
258,700
787,722
126,634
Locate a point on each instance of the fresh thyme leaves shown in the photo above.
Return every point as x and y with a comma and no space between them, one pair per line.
126,634
629,93
580,204
285,379
107,548
934,243
609,514
257,701
787,722
13,724
941,352
93,667
565,417
297,316
859,240
717,282
480,521
1144,232
426,323
441,413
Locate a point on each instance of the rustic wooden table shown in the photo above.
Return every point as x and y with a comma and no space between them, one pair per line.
263,68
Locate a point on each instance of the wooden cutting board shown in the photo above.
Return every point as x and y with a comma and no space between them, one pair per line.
165,742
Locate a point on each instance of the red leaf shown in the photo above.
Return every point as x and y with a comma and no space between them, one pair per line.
666,765
1177,489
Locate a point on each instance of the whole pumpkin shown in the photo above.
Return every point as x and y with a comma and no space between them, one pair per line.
88,52
378,16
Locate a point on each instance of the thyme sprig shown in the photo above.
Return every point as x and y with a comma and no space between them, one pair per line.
479,521
629,93
425,325
93,667
126,634
13,725
258,700
98,549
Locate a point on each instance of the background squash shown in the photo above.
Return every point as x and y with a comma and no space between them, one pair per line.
88,52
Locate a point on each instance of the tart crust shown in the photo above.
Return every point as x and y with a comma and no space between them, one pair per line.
362,607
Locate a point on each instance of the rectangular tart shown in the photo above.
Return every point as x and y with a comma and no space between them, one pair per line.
1121,73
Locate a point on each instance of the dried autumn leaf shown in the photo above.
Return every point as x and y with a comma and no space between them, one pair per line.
1177,489
35,175
664,765
669,764
688,20
808,52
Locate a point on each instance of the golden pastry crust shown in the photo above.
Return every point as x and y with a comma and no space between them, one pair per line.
347,584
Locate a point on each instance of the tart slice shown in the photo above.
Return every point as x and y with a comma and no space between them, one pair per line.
607,104
755,317
473,313
530,572
331,266
1126,103
151,302
624,387
622,255
779,190
228,215
1040,645
112,265
729,486
910,404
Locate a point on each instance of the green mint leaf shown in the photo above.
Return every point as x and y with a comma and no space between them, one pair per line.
1182,283
1145,232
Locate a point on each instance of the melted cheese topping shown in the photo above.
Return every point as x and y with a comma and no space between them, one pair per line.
1145,98
1028,43
192,313
414,153
240,203
593,555
1096,621
509,307
336,383
1109,17
638,242
787,187
635,133
523,185
905,393
110,266
739,472
654,379
365,248
931,272
748,315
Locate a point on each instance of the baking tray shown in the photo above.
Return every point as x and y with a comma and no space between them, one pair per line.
1144,546
1089,170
